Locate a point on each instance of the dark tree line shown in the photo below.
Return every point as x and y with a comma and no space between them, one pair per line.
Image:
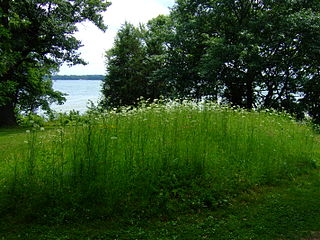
249,53
77,77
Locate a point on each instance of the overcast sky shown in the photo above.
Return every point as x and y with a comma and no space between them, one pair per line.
96,42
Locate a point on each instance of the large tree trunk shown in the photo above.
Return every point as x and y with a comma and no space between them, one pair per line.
236,91
7,112
8,115
268,99
5,5
250,96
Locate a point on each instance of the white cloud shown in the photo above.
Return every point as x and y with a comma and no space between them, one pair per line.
96,42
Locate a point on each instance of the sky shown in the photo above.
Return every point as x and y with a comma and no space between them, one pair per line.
96,42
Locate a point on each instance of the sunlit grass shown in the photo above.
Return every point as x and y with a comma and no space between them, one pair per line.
153,159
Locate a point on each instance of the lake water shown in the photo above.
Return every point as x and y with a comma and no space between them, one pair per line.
79,93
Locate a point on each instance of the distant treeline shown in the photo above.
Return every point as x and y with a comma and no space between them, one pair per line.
78,77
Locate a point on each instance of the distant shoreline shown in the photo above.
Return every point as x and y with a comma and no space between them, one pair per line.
78,77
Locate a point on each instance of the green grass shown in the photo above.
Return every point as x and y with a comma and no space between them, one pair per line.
11,139
288,211
158,161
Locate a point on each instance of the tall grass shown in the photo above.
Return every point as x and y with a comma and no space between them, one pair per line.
152,160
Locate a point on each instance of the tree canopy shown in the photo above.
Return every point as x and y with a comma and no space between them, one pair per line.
249,53
134,64
36,37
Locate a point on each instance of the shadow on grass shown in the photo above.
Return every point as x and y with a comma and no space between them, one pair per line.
4,132
290,211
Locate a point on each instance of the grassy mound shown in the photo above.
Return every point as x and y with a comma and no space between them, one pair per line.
152,160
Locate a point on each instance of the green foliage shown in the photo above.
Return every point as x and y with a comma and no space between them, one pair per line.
252,54
31,120
190,30
37,37
135,64
38,92
257,52
156,34
126,67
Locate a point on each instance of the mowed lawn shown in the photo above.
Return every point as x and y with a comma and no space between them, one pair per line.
289,211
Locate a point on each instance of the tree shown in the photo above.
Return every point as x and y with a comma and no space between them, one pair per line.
232,58
156,37
289,43
36,38
190,29
135,64
249,53
311,99
126,79
258,53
